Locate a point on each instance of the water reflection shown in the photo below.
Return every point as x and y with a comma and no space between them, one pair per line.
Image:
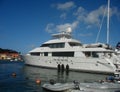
33,73
46,74
25,79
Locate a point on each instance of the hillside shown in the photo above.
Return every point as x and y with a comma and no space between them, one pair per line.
7,50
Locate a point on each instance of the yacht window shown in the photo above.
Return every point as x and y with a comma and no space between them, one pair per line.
35,53
44,45
87,54
64,54
91,54
45,53
54,45
57,45
94,54
74,44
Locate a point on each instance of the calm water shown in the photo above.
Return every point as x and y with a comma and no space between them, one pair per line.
25,78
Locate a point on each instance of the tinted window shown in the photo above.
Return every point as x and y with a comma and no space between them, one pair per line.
54,45
35,53
67,54
74,44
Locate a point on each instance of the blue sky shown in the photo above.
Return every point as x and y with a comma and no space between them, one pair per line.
26,24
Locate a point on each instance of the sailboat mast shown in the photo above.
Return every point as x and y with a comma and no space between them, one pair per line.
108,21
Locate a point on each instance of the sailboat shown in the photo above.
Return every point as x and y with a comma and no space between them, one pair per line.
65,53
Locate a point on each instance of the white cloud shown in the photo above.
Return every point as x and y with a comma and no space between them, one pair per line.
90,18
89,26
74,25
83,16
62,27
115,11
80,11
50,27
65,6
94,17
63,15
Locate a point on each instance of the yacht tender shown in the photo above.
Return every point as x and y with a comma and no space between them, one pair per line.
82,87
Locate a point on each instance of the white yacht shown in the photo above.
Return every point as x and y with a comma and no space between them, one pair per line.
67,53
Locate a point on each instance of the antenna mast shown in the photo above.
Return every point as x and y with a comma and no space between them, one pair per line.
108,21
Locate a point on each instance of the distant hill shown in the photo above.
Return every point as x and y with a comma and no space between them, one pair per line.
7,50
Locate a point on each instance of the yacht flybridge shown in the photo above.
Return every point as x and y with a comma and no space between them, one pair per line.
65,52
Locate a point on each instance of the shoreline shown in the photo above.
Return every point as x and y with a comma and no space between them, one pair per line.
11,61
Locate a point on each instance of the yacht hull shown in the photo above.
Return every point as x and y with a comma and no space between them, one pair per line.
93,65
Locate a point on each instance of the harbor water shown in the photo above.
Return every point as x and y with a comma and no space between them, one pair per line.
17,77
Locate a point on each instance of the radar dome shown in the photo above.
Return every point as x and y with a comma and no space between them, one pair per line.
69,30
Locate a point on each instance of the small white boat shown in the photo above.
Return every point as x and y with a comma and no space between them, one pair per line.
97,87
83,87
104,85
58,86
